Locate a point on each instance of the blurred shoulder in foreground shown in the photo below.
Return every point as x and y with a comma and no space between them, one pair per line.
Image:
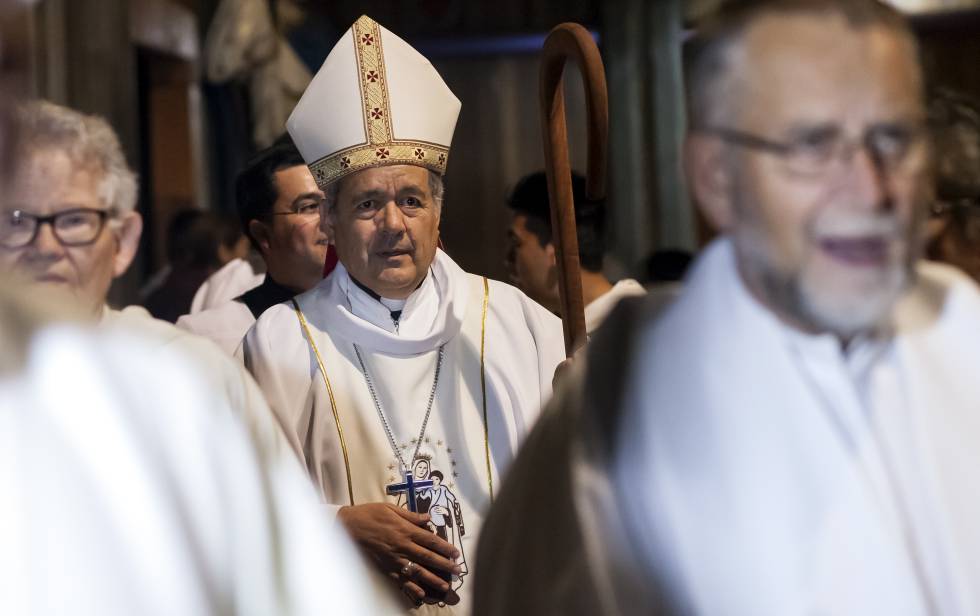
131,487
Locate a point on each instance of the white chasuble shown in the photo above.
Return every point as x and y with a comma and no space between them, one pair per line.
500,351
773,472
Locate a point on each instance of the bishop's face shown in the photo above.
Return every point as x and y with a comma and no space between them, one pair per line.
385,225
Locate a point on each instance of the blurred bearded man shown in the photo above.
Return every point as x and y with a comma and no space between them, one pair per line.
399,361
797,433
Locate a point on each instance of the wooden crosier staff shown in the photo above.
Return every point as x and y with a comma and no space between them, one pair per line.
572,41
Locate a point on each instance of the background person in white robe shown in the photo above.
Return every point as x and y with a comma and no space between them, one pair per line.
797,433
231,280
279,208
131,487
398,355
531,254
68,222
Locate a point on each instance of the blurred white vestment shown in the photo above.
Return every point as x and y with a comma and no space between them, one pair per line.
222,372
132,487
225,325
764,471
598,309
234,278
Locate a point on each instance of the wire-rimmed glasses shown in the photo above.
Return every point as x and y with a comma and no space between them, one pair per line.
894,147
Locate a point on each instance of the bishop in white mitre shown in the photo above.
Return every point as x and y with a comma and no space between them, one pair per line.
405,383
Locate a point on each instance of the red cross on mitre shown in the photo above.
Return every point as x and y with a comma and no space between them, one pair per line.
376,113
371,76
382,153
419,153
345,162
367,39
442,159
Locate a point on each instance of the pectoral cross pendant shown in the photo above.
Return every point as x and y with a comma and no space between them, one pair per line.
408,488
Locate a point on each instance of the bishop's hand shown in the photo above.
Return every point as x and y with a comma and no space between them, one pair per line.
404,549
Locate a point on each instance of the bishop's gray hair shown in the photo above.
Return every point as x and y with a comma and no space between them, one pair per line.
436,186
709,56
89,142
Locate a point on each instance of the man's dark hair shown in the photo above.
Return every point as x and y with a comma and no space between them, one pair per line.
955,120
437,474
530,197
708,57
255,188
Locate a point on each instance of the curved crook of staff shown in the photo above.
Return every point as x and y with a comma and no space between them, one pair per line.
570,41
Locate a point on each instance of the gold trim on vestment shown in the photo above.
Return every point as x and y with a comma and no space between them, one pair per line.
333,403
483,383
381,147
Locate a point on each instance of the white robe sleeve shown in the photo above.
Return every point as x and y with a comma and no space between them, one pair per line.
549,340
225,325
276,354
222,372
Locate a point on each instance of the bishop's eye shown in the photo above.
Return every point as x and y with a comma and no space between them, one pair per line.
412,202
364,206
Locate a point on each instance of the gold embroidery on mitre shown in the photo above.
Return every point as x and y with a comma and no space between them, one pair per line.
374,81
381,147
332,168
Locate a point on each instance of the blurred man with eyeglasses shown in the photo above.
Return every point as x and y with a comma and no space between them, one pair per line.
70,220
69,223
279,209
798,432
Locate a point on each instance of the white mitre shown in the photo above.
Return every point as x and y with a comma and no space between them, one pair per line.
375,101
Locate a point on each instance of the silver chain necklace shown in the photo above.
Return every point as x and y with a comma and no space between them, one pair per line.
384,420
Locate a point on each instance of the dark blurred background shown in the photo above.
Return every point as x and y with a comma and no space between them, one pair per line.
195,86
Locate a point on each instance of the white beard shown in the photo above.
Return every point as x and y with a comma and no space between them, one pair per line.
844,301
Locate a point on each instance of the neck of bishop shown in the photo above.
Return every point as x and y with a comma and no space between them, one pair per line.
414,313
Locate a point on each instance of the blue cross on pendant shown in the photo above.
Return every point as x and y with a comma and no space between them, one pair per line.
408,488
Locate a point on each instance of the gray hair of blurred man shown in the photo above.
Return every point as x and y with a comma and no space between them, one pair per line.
89,142
711,55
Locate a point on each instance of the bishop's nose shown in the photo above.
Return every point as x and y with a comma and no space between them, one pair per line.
392,219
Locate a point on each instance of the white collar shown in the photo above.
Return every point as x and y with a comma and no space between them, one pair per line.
432,315
418,311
